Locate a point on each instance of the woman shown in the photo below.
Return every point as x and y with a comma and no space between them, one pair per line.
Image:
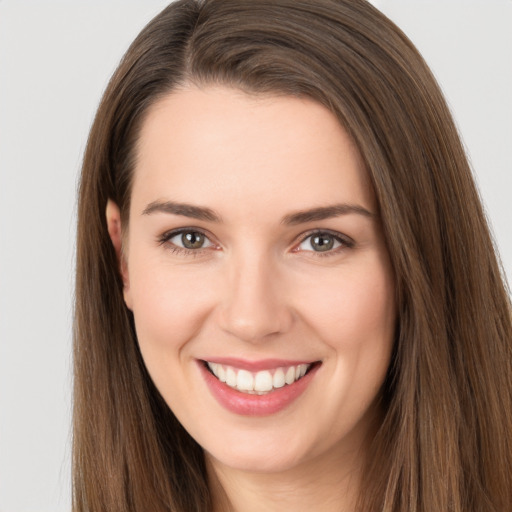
287,295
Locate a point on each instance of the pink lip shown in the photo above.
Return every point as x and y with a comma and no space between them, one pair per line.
255,366
255,405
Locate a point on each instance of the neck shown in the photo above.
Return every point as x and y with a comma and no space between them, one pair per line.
330,482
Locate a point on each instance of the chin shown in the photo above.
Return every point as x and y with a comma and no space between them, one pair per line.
260,453
257,462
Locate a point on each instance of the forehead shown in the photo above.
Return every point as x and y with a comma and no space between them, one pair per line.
213,144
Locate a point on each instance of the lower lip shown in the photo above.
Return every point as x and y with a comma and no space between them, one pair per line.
256,405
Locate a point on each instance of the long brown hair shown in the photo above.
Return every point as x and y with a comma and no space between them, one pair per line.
445,441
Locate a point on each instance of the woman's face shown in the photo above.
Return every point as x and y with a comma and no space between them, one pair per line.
254,245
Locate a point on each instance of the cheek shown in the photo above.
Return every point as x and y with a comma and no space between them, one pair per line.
354,314
169,306
353,309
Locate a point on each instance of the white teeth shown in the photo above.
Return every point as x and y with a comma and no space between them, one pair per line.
230,377
258,382
244,381
290,375
263,381
278,380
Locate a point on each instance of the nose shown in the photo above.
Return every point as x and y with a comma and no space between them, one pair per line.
255,306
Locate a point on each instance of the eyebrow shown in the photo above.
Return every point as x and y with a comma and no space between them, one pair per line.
292,219
184,209
325,212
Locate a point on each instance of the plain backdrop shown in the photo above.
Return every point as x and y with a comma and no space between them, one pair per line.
55,61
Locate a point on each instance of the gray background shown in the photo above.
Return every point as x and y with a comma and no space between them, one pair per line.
55,60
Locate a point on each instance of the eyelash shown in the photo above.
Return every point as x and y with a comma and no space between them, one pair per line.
344,241
165,238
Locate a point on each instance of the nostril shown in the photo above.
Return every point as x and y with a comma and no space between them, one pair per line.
255,322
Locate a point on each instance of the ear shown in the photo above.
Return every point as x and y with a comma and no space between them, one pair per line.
114,226
113,216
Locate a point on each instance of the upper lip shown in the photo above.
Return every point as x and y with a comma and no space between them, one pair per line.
259,365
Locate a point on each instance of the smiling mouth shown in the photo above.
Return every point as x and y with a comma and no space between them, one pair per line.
261,382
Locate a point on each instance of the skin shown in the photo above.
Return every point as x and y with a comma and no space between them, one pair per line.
259,289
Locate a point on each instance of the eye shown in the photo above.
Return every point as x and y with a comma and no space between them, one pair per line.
323,242
192,240
187,239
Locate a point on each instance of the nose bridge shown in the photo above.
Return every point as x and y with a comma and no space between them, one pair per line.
254,305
